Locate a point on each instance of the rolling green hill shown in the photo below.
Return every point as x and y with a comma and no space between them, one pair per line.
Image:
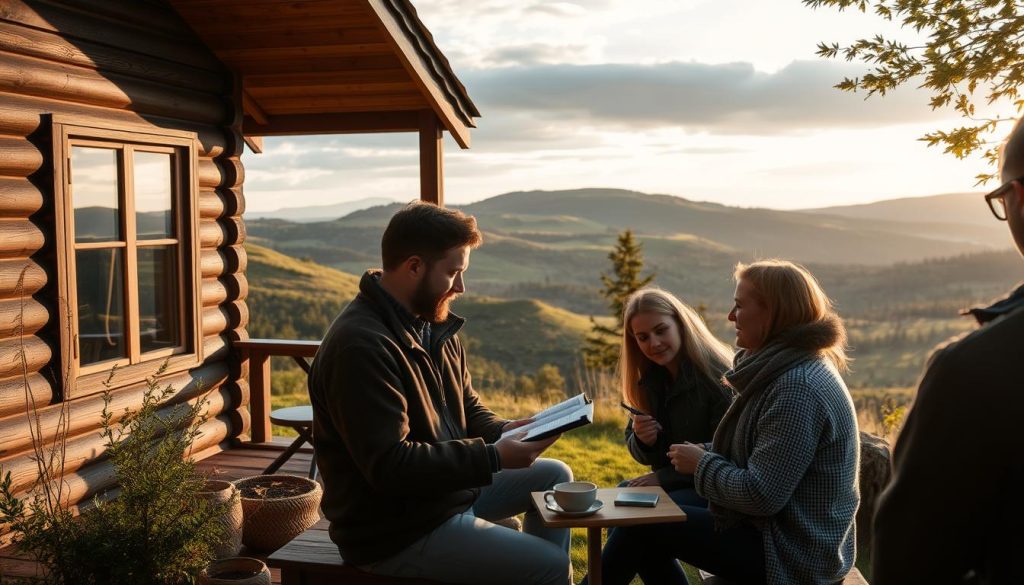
291,298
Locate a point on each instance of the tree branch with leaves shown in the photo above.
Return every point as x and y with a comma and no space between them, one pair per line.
973,53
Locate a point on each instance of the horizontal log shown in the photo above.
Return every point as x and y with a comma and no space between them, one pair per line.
20,277
28,76
150,16
214,292
92,25
19,197
18,157
234,199
324,78
19,238
19,392
93,479
21,316
223,261
215,321
211,204
36,355
47,45
22,115
227,231
217,348
84,413
91,447
210,173
238,314
212,234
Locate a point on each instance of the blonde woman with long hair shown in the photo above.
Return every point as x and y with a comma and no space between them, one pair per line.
781,474
671,368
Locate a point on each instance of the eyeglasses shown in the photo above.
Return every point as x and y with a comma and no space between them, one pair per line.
996,201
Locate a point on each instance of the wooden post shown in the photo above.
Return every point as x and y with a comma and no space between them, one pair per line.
259,397
431,158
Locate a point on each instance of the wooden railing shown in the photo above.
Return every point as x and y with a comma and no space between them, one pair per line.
259,352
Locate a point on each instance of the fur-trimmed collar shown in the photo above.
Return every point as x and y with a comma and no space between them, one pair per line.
814,336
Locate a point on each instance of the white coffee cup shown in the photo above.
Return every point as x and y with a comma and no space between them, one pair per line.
573,496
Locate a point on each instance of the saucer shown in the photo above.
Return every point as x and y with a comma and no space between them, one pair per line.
597,505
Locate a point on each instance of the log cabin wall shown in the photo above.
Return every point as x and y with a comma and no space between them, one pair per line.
132,65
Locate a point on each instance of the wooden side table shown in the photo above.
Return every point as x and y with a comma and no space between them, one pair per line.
299,418
610,515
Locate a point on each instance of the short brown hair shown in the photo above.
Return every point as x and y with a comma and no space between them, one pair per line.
428,231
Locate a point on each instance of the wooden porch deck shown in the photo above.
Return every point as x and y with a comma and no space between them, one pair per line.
231,464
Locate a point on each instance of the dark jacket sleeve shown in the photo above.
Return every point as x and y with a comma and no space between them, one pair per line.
480,420
647,455
948,463
373,422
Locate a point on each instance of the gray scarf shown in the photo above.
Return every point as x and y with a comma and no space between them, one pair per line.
750,376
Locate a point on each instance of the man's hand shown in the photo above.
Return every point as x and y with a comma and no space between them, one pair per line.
685,457
646,429
645,479
515,424
516,454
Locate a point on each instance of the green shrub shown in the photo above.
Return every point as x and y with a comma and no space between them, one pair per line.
157,530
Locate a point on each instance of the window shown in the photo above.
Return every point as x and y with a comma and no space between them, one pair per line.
127,253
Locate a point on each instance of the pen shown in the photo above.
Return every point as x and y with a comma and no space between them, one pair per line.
631,409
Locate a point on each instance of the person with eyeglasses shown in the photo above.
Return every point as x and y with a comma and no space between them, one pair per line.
952,512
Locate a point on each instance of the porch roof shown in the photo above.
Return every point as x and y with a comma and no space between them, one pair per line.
332,66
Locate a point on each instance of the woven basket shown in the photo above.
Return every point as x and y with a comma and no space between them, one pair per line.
217,573
270,522
219,491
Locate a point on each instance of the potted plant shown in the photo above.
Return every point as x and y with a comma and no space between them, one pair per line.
158,529
235,571
224,492
277,508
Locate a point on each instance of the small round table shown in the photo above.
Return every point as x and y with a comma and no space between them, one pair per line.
299,418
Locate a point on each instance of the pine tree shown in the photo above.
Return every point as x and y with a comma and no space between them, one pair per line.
601,348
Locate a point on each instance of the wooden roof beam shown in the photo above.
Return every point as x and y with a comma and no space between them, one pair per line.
342,123
431,158
253,109
420,71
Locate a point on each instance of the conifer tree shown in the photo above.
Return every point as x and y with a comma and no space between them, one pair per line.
601,348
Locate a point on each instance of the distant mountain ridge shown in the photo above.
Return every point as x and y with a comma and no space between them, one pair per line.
951,208
312,213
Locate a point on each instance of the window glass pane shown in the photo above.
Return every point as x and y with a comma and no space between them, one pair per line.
153,219
100,305
95,194
158,298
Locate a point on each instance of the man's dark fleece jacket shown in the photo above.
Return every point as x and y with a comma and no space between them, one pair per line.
402,441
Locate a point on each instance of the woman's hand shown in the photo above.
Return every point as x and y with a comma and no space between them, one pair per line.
645,479
646,429
685,456
515,424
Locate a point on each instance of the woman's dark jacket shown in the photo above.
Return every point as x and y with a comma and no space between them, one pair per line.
688,410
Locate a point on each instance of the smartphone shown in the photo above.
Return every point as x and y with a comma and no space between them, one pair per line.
631,409
641,499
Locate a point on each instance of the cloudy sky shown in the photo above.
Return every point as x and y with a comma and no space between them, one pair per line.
716,100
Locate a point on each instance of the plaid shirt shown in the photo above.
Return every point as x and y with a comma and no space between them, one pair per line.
800,483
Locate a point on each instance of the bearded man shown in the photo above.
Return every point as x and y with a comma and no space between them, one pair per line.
414,465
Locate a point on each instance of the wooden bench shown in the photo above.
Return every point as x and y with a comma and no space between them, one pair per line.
311,558
854,578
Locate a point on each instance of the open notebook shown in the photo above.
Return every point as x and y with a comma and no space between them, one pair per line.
574,412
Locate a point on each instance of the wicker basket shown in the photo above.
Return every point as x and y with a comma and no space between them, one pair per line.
247,571
272,520
220,491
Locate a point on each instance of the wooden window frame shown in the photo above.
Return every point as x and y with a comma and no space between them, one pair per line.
79,380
